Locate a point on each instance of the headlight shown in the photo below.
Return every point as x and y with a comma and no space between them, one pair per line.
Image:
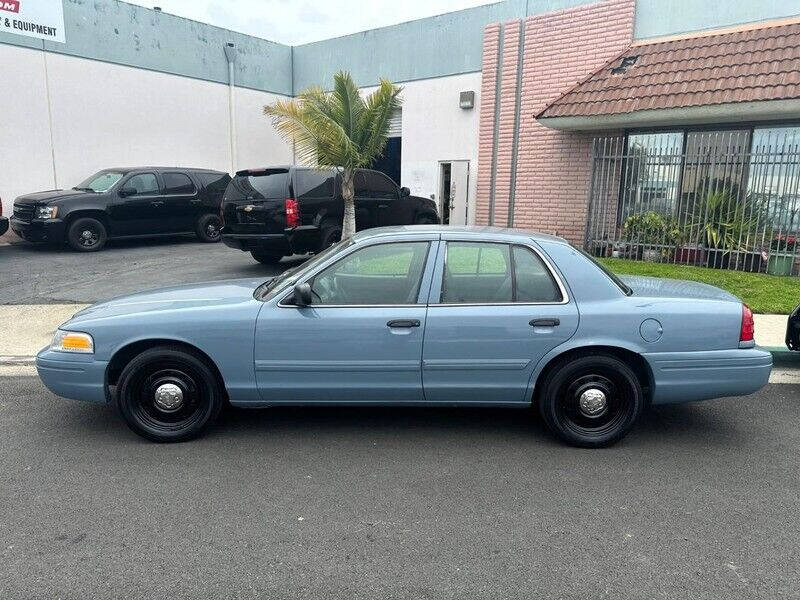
46,212
72,341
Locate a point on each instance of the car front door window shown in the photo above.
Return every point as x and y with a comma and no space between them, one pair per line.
143,184
383,274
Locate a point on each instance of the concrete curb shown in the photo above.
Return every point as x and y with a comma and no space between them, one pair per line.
784,357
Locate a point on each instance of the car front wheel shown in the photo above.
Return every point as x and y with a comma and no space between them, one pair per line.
87,235
591,400
168,394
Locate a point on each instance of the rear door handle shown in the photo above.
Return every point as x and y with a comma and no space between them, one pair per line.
403,323
157,203
544,322
383,206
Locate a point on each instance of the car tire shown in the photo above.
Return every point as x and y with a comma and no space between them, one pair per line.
329,235
426,220
169,394
266,258
591,400
209,228
86,234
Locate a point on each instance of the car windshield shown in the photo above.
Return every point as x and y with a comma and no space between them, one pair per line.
288,278
100,182
620,284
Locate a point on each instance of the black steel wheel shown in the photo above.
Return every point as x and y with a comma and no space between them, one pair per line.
591,400
266,258
86,234
168,394
209,228
329,235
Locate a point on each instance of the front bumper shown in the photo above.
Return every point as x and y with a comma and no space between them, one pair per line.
51,230
3,225
690,376
75,376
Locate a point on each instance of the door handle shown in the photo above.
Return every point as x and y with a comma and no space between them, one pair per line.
383,206
403,323
544,322
157,203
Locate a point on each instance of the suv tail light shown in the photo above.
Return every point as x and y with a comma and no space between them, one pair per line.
292,213
748,325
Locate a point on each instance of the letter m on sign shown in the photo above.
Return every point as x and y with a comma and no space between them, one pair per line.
10,5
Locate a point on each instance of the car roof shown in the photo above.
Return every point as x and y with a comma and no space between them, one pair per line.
479,232
149,168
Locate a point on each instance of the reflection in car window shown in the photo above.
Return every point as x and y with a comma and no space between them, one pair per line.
100,182
142,184
380,274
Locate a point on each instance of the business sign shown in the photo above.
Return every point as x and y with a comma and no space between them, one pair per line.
42,19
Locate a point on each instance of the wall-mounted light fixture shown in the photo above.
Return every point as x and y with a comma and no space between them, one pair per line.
466,100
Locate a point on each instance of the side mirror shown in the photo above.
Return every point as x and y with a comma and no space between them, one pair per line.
302,294
404,191
124,192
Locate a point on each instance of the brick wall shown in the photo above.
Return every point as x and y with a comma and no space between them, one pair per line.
553,167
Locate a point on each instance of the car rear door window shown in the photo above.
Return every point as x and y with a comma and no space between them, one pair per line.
375,275
477,273
142,184
178,184
314,183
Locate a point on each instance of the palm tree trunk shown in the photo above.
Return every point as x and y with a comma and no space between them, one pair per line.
349,221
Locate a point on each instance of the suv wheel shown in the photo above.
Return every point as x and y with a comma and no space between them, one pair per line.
87,235
209,228
265,258
426,220
329,235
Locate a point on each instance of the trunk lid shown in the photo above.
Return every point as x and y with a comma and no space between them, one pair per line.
254,201
657,287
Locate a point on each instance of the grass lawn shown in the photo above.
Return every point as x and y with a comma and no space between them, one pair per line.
762,293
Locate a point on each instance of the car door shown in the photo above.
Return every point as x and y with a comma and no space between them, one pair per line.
360,341
137,208
182,203
496,308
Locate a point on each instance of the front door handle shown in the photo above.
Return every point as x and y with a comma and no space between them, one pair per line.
544,322
403,323
157,203
383,206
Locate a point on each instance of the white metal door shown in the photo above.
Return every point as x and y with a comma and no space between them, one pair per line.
459,192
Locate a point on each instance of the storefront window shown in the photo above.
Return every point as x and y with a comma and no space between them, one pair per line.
774,178
652,172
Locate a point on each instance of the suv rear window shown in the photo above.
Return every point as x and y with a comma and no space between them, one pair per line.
262,185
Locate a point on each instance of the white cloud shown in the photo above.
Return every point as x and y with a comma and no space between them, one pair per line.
300,21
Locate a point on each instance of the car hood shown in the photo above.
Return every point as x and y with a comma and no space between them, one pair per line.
179,297
50,196
657,287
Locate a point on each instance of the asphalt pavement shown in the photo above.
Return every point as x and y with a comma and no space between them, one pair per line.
699,501
47,274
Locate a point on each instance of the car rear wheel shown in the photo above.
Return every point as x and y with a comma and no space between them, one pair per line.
87,235
591,400
167,394
426,220
209,228
266,258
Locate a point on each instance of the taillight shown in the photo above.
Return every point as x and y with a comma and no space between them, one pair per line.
292,213
748,325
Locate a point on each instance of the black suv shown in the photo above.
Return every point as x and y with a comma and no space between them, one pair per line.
279,211
117,203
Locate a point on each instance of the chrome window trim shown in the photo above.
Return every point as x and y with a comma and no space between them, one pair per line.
355,248
561,287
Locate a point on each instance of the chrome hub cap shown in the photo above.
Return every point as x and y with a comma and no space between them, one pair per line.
592,402
169,397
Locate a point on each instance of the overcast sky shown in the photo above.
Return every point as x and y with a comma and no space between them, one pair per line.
300,21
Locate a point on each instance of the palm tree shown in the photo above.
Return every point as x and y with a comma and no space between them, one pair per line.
341,129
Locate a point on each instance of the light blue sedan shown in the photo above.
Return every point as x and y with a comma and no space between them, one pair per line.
408,316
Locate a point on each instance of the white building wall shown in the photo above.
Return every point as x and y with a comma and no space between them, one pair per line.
106,115
435,129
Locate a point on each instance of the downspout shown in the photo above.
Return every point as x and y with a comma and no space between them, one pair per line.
230,54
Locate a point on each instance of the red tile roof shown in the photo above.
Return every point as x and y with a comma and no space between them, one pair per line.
760,63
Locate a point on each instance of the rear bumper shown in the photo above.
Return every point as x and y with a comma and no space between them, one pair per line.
690,376
292,241
75,376
3,225
51,230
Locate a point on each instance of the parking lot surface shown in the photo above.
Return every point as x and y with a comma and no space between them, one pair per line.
42,274
699,501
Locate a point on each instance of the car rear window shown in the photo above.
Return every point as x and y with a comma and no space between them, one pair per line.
263,185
